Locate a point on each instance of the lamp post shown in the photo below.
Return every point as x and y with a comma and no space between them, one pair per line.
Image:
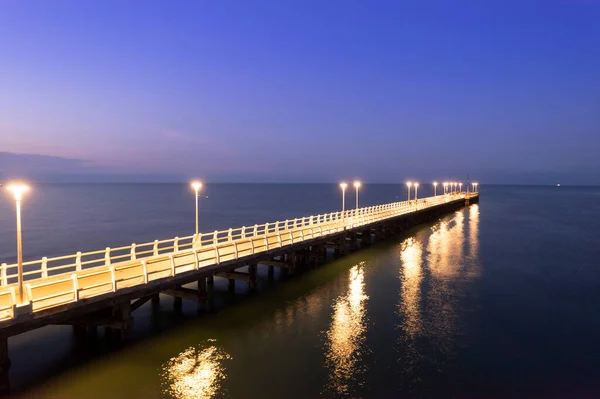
196,185
408,184
343,186
416,188
460,187
454,188
445,184
476,187
17,190
435,188
357,186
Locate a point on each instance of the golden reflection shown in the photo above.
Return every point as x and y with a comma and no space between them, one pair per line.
195,373
411,255
474,231
347,333
446,247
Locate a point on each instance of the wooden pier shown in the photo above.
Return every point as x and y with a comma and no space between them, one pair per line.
103,288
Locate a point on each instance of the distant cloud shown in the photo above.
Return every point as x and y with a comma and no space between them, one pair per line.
31,165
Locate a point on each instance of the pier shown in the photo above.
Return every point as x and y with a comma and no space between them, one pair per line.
103,288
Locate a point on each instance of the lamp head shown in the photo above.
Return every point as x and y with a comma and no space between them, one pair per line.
196,185
416,184
343,185
435,183
17,189
408,184
357,184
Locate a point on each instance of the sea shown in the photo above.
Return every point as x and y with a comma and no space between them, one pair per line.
499,299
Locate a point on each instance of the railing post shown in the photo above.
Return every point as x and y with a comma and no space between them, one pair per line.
243,231
266,228
44,267
155,248
29,298
112,277
133,251
78,261
279,238
235,250
75,286
196,260
266,243
230,234
198,239
255,230
3,274
107,256
145,268
215,234
172,265
252,245
176,244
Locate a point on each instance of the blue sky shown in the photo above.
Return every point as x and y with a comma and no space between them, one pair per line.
307,91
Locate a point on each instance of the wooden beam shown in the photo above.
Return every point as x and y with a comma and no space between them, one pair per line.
234,276
139,302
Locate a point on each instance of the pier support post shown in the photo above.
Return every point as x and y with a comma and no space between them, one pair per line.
4,359
252,276
92,331
231,285
270,272
177,302
123,313
210,288
365,238
79,332
202,286
202,294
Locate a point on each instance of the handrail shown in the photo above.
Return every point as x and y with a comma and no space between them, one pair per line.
82,264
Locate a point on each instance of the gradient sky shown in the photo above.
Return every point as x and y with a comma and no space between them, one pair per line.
307,91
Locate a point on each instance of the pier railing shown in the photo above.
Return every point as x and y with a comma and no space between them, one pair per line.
58,280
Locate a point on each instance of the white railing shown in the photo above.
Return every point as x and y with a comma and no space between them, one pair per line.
58,280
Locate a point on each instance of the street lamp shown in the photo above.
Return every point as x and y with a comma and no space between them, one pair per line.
356,186
476,187
416,188
454,188
460,187
445,184
17,189
343,185
196,185
408,184
435,188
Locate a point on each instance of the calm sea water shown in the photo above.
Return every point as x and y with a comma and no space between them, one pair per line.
500,299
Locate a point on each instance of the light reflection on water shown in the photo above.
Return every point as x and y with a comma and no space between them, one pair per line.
346,334
411,276
195,373
433,273
474,239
